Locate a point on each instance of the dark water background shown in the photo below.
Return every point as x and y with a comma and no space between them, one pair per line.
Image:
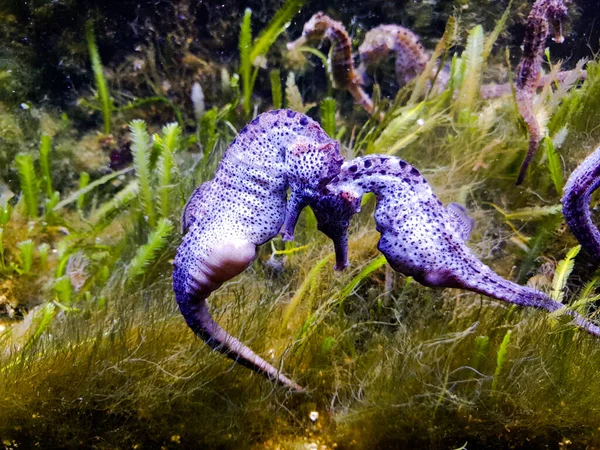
51,33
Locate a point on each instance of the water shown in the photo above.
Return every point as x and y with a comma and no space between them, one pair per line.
94,351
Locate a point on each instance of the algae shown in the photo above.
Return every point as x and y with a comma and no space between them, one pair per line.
93,351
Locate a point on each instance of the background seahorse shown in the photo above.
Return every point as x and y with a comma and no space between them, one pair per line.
543,14
411,57
576,203
422,238
244,206
341,66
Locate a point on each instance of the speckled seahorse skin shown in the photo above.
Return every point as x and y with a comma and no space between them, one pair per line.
341,66
576,203
244,206
422,238
543,14
384,40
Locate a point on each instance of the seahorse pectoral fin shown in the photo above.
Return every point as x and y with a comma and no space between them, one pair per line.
193,207
461,221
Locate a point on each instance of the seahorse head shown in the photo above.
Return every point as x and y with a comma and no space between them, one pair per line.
333,213
316,26
379,42
313,159
314,29
557,12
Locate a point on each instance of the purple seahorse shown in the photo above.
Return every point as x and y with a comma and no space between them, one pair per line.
576,203
411,59
422,238
543,14
244,206
411,56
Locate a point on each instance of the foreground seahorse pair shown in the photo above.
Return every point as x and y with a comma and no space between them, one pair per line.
245,205
412,58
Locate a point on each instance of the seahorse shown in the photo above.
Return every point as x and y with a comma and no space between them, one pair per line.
543,14
576,203
422,238
411,57
244,206
341,65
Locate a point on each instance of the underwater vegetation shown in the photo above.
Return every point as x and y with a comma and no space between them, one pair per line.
95,353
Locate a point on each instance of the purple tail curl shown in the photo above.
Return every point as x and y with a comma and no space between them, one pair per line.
197,316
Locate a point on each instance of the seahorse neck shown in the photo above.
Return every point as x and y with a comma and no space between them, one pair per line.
388,186
341,64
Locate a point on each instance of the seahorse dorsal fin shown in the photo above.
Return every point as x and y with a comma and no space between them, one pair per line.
190,210
462,223
187,217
